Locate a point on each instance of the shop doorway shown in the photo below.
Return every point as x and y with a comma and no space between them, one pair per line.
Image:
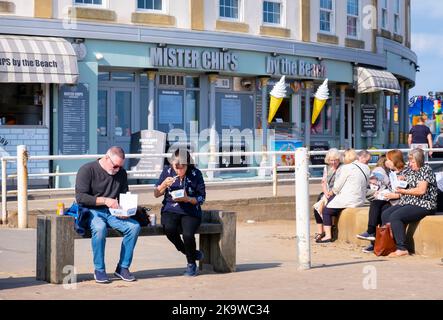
350,124
114,120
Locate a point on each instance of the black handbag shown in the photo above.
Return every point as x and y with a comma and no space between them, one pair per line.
142,216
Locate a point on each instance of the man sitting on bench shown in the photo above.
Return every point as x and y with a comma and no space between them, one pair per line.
97,187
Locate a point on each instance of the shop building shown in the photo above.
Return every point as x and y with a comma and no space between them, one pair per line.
162,64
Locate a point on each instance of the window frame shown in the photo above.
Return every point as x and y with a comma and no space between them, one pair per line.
91,5
332,18
397,17
282,14
358,24
164,10
384,15
239,9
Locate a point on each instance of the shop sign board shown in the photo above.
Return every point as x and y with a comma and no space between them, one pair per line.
148,142
368,119
73,119
295,68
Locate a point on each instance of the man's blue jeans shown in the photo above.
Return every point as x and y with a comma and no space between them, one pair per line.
100,219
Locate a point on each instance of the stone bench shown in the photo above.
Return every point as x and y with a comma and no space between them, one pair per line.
423,238
56,236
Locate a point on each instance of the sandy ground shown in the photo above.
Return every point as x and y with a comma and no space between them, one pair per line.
266,269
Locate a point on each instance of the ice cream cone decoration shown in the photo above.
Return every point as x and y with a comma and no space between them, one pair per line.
278,93
321,97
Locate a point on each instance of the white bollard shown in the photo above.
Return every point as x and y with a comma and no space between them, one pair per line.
22,186
4,193
302,209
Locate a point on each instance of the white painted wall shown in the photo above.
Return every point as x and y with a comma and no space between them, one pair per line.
340,20
251,12
24,8
391,8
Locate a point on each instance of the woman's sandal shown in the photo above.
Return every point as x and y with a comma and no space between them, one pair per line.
319,236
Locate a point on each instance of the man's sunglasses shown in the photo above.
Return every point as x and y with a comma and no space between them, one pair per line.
114,166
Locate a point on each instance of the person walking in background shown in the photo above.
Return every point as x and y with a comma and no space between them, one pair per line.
330,174
420,135
182,212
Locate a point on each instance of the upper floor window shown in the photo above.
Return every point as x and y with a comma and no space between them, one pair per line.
353,18
397,16
149,5
327,16
272,12
89,2
229,9
384,14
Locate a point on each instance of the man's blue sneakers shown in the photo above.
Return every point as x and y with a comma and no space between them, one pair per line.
124,274
101,277
191,270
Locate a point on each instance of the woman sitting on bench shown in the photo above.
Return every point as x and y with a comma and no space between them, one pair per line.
184,192
416,202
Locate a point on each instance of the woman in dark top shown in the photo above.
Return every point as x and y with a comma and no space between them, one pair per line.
184,212
420,135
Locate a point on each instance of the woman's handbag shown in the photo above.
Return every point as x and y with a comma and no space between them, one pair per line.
384,241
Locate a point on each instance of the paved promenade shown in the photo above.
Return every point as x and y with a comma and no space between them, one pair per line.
266,269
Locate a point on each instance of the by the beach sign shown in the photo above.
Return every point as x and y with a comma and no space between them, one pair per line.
194,59
297,68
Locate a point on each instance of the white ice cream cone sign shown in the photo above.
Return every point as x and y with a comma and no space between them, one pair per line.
278,93
321,97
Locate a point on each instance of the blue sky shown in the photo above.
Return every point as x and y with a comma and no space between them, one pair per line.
427,42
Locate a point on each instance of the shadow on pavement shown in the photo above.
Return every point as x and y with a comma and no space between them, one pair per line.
15,283
321,266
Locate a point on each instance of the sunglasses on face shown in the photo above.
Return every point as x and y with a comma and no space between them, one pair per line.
114,166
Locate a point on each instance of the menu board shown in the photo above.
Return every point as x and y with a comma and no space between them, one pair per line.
73,119
148,142
368,119
231,112
171,107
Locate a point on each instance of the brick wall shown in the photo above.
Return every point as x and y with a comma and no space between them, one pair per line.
37,143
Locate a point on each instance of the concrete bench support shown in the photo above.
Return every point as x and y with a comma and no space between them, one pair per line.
56,237
55,247
220,249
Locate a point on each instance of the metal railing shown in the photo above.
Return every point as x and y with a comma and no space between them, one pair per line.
22,159
301,181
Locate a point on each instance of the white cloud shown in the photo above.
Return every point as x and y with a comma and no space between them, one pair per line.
427,44
427,8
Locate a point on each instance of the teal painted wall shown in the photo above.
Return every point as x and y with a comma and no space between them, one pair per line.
88,74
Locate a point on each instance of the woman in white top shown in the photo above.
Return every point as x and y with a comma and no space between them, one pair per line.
349,191
333,160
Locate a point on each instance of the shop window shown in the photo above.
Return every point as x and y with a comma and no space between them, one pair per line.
384,14
397,17
353,18
89,2
21,104
149,5
327,16
229,9
104,76
171,80
271,12
192,82
323,125
123,76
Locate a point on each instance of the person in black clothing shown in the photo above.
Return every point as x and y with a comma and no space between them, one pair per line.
98,186
420,135
185,211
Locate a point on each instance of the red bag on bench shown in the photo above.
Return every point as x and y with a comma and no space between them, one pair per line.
384,241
